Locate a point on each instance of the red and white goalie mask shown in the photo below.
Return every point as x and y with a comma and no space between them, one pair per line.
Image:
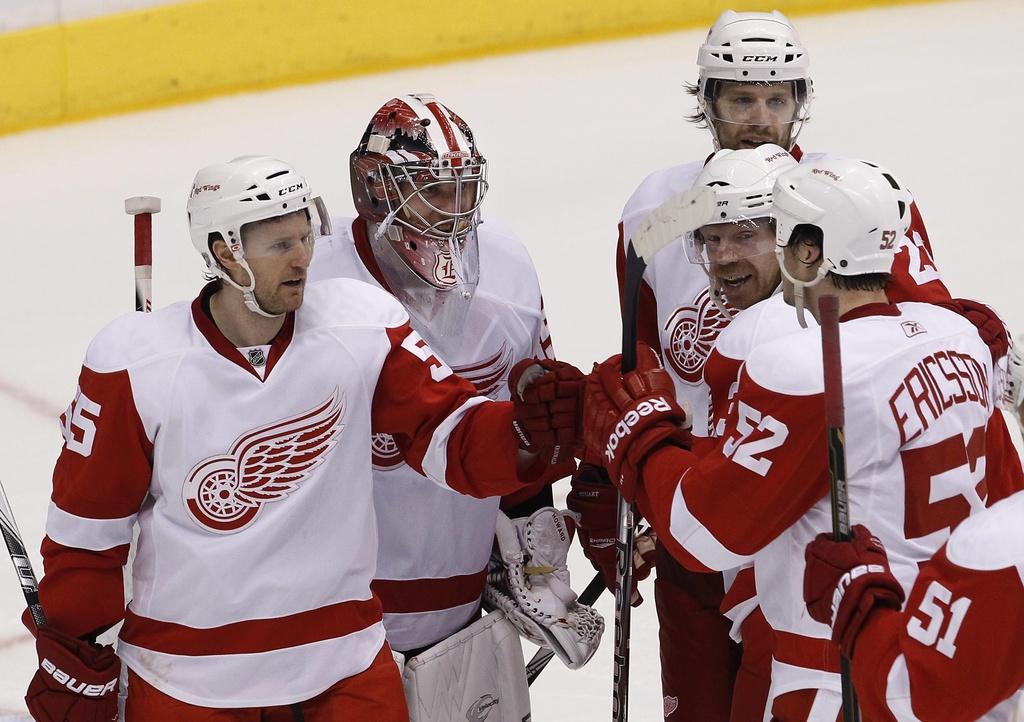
418,180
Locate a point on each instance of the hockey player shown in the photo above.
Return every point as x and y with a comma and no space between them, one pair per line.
235,431
760,489
746,100
957,648
418,180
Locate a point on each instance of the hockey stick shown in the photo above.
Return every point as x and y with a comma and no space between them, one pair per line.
143,208
22,565
680,214
828,310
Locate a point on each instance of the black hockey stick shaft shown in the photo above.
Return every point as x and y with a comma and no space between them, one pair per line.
828,311
635,267
22,565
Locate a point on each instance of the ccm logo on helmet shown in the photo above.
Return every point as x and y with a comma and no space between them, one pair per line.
87,690
760,58
632,417
290,189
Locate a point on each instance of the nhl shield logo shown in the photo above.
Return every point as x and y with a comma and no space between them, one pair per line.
225,493
692,331
256,357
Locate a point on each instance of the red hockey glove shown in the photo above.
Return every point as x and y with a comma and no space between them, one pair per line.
594,499
76,681
845,581
990,327
547,399
626,417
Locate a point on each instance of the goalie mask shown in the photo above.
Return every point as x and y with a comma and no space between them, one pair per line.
736,242
418,180
754,83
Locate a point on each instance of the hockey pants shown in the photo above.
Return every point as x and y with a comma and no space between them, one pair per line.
698,658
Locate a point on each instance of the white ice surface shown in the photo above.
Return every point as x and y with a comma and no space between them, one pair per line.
569,134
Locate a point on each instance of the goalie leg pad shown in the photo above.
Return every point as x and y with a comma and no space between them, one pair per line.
477,673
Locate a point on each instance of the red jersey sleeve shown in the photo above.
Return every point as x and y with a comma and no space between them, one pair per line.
955,651
914,275
647,305
766,471
445,430
99,483
1003,473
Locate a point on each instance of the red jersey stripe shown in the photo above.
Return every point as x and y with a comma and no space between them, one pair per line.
405,596
255,635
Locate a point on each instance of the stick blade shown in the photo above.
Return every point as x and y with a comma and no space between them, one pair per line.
682,213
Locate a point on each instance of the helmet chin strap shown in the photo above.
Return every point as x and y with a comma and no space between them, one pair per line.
800,286
249,291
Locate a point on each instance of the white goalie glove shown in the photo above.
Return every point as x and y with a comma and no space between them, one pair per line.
529,582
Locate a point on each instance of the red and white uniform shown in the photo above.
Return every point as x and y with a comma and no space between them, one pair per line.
677,318
957,648
435,545
918,389
253,493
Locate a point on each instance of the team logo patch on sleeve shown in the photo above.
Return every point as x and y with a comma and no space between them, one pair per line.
385,452
226,493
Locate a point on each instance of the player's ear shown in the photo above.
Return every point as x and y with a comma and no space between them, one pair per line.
221,252
808,253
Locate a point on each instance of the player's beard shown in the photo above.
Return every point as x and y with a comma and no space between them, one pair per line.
282,298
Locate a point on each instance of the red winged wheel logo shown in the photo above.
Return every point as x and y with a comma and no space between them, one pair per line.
692,333
225,493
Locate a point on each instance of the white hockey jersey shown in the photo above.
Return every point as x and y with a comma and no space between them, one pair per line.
253,493
435,545
917,382
675,314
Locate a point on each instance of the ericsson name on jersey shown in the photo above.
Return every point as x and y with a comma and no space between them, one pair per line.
761,493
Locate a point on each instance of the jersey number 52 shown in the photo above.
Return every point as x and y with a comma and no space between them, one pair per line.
769,433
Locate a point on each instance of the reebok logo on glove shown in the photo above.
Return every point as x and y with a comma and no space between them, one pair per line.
629,420
86,690
847,579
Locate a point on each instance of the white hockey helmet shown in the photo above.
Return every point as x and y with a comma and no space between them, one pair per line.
227,196
860,208
752,47
742,182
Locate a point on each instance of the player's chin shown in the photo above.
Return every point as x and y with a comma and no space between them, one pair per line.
290,295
